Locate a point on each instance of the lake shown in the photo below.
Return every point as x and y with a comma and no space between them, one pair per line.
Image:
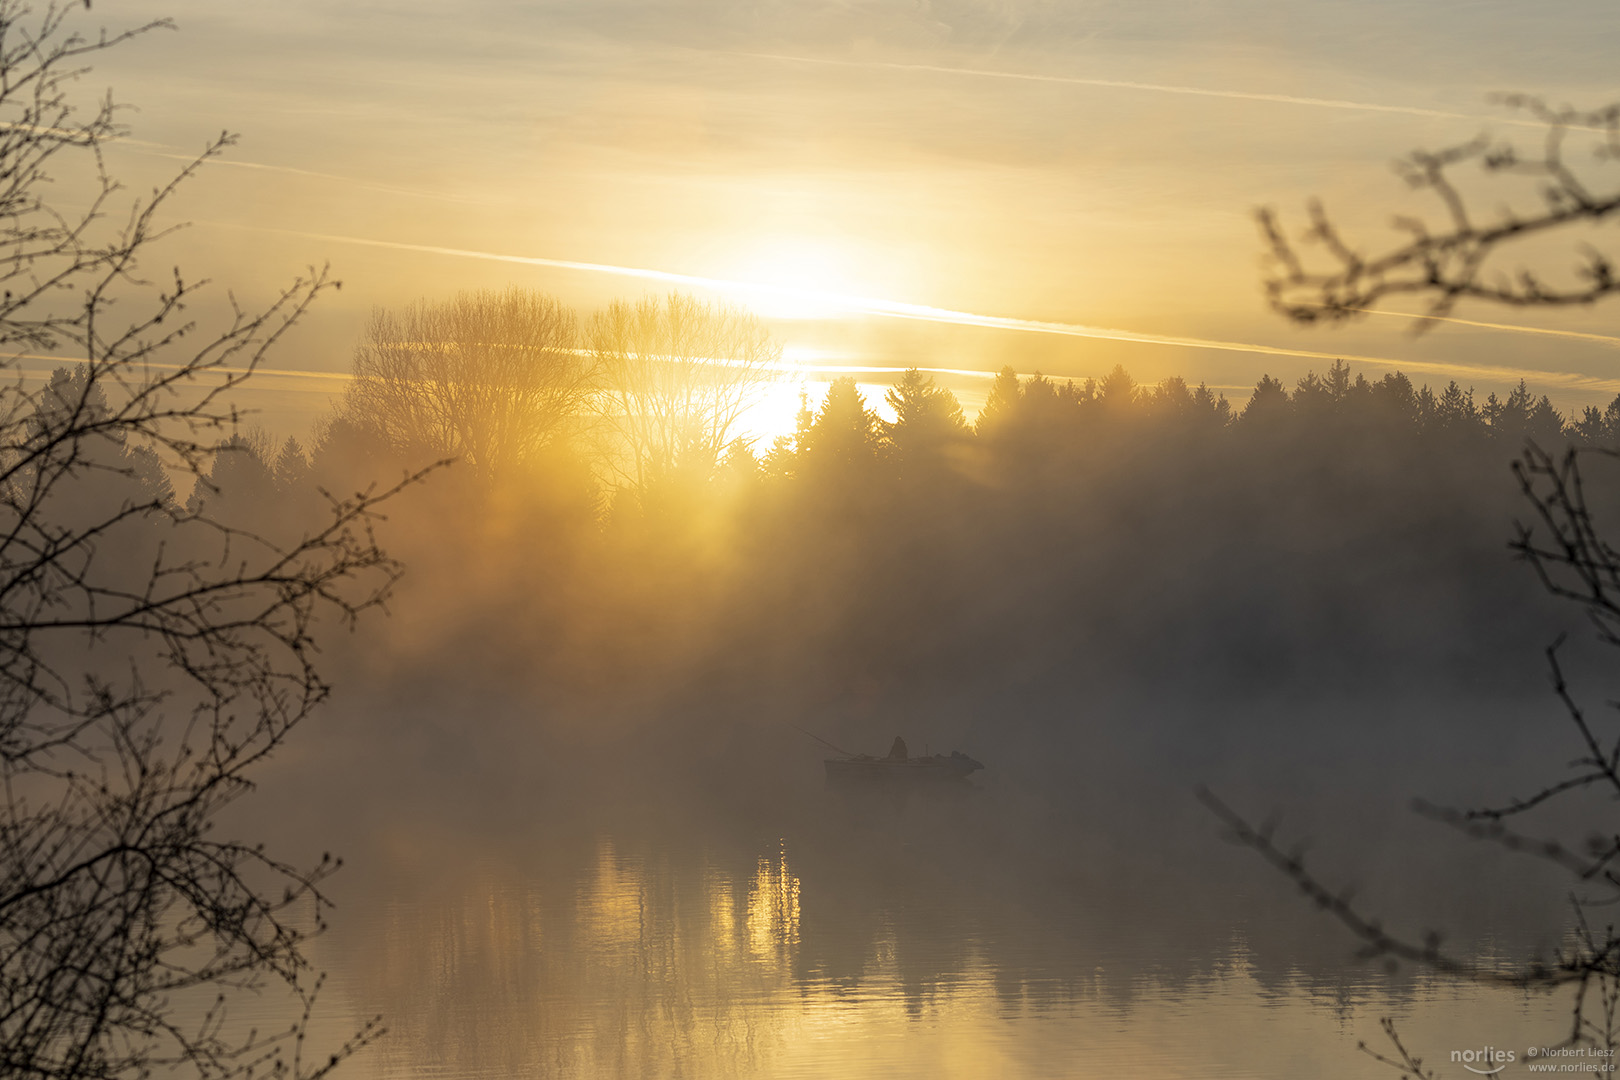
1069,916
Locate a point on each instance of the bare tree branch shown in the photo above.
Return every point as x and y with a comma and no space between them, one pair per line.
151,656
674,380
1464,255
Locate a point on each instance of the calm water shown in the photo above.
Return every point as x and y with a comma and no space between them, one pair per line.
647,963
1090,926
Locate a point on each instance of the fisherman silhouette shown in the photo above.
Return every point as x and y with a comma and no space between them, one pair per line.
897,752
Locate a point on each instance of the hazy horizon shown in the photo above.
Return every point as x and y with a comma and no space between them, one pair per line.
679,402
1069,174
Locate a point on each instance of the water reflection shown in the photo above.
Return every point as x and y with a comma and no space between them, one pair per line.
626,963
1076,915
773,909
877,954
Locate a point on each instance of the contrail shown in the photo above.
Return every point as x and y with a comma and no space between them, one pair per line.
163,150
173,153
895,309
881,369
259,369
1607,339
1158,88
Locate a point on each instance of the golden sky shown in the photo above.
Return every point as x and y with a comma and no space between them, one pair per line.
957,184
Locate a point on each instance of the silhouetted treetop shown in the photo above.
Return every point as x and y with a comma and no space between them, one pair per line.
494,379
845,433
1268,403
1005,394
928,420
673,380
1118,391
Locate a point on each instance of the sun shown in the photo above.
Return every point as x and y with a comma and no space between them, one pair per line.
793,277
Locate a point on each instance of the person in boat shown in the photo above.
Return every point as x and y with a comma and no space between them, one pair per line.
897,752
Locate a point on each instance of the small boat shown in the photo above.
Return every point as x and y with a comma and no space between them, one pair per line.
859,768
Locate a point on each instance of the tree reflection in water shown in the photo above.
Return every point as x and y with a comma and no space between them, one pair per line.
854,947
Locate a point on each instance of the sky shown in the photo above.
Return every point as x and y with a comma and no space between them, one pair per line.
957,184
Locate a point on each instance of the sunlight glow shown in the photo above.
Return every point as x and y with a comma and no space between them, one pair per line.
757,294
774,411
791,278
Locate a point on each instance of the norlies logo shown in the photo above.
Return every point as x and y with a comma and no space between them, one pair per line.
1486,1061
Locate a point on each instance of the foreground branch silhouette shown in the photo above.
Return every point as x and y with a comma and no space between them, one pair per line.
150,657
1564,542
1464,255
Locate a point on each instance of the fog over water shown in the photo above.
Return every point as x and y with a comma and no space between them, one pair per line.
587,833
1070,919
622,569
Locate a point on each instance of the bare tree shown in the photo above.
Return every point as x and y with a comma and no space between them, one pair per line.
150,658
495,379
1468,253
1564,542
675,377
1568,552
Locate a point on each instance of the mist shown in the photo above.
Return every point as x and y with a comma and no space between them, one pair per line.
1111,595
806,543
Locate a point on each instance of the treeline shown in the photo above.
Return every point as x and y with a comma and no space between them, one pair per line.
929,435
643,402
604,552
1038,414
1338,393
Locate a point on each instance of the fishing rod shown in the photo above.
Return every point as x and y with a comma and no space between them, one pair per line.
819,739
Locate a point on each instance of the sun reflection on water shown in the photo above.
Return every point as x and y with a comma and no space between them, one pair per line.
622,959
773,909
611,908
